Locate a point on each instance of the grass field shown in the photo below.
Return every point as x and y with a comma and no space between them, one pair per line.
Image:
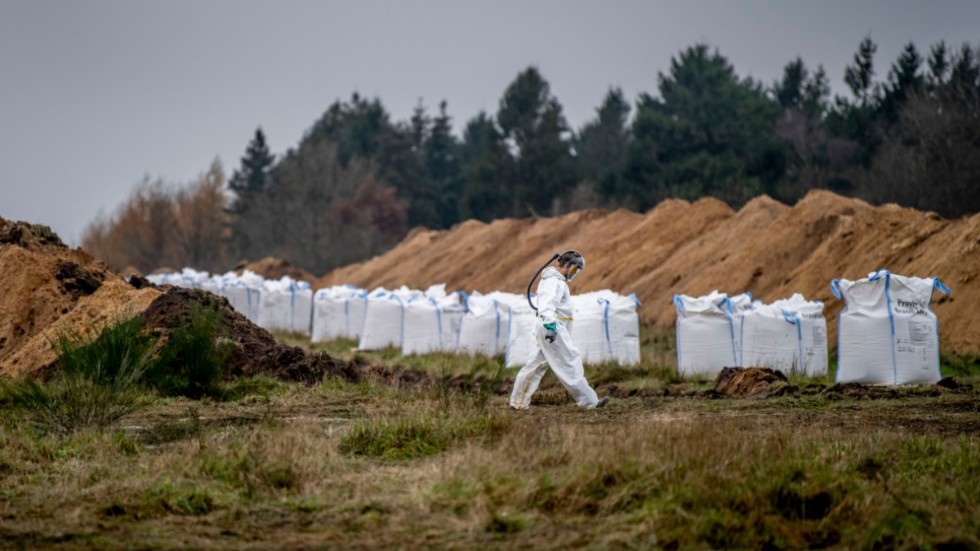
447,465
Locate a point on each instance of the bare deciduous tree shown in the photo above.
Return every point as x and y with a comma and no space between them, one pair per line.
160,226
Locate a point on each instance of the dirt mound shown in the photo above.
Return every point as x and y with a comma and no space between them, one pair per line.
257,352
749,382
768,248
50,289
274,268
757,382
114,301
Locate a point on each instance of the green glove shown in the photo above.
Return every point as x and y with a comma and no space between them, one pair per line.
552,330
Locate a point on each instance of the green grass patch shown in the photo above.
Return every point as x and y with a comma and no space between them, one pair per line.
96,382
415,435
727,488
957,365
261,386
99,380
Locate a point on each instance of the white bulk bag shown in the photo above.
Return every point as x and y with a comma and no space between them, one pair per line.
811,328
789,335
483,328
887,334
338,312
384,319
422,331
187,277
521,322
737,306
243,293
452,309
243,299
212,285
286,305
606,327
623,329
520,327
705,334
769,339
589,330
355,309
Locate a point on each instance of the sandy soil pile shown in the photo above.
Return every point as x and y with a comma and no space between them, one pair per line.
49,289
768,248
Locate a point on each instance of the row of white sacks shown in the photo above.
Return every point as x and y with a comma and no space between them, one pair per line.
887,334
716,331
274,304
605,326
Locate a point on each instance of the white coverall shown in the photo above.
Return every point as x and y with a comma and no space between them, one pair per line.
554,306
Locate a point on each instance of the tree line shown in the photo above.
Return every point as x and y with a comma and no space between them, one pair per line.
358,181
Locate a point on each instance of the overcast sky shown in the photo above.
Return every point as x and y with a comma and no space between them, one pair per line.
95,95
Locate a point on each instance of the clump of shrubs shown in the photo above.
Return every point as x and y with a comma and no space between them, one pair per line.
100,380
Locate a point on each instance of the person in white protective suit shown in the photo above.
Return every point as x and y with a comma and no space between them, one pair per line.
551,340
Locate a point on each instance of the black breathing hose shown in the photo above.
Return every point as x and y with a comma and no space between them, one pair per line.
536,274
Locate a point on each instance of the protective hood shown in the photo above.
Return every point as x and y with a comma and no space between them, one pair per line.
554,301
552,272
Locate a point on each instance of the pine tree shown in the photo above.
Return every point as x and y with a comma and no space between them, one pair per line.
358,128
859,75
401,161
904,80
709,133
255,165
938,66
486,165
789,91
442,167
816,94
803,98
856,120
602,147
250,183
532,125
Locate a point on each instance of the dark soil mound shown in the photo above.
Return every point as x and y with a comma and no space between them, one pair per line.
29,236
257,352
750,382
